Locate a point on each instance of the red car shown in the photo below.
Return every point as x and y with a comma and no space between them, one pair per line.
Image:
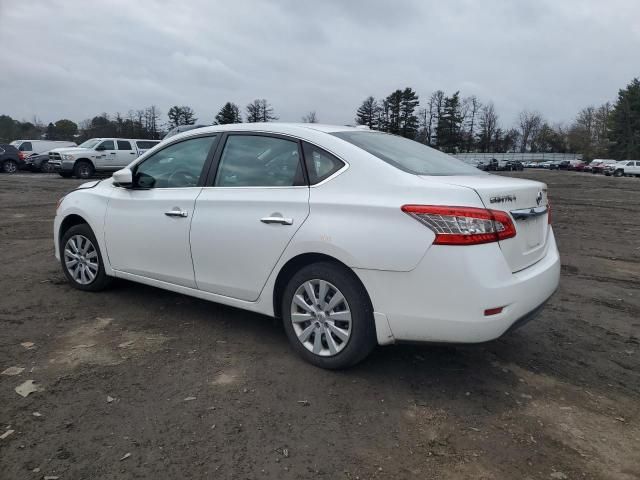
600,165
578,166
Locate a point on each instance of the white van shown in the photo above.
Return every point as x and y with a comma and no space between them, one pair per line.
37,147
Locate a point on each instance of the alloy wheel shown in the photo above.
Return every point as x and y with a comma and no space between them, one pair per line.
321,317
81,259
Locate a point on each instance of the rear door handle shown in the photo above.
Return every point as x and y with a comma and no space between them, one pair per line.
277,218
176,212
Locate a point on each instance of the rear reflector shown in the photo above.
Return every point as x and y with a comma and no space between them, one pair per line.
493,311
463,225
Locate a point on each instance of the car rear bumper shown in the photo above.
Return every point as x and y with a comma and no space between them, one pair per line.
445,297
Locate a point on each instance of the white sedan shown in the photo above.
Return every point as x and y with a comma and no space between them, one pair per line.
353,237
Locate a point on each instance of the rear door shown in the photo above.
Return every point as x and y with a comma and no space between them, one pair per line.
125,154
254,202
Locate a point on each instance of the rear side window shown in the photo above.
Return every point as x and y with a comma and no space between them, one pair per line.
26,147
407,155
146,144
259,161
124,145
320,163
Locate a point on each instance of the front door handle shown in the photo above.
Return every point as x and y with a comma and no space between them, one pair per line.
277,218
176,212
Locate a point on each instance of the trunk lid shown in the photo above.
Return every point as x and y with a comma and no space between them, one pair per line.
526,202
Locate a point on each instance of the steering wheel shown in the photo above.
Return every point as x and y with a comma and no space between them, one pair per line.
182,178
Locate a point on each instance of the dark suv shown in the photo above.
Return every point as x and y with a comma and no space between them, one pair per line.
10,159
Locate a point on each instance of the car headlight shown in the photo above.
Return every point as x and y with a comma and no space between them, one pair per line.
67,157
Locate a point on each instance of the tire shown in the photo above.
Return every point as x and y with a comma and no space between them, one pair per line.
10,166
618,173
88,274
83,169
342,342
65,174
46,167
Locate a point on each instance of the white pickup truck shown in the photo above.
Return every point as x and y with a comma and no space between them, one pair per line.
623,168
98,155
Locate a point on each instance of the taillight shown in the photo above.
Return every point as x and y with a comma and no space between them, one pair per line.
21,155
463,225
548,212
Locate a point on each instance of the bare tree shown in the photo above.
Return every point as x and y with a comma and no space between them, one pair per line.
530,124
310,117
260,111
488,127
473,107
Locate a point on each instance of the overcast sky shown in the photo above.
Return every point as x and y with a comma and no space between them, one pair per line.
77,58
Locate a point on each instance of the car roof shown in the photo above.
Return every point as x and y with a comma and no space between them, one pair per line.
270,127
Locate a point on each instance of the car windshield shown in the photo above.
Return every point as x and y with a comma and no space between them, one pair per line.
92,142
408,155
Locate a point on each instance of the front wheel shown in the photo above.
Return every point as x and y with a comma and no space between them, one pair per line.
83,169
328,317
618,173
81,259
10,166
46,167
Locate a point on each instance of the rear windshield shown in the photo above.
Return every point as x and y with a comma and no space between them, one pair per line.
408,155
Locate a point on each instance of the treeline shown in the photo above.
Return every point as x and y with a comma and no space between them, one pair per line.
456,124
451,123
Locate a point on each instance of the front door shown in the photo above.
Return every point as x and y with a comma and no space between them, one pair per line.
147,226
245,219
106,155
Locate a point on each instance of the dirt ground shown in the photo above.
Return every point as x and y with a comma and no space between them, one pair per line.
137,382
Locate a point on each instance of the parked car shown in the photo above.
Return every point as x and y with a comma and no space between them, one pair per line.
98,155
554,165
514,165
531,165
39,163
598,165
10,160
352,237
622,168
546,165
29,148
577,165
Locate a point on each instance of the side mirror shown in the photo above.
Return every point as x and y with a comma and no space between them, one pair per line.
123,178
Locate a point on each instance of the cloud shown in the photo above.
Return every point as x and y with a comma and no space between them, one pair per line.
75,58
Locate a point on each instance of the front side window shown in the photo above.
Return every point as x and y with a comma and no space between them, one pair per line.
259,161
26,147
407,155
107,145
320,164
178,165
89,143
124,145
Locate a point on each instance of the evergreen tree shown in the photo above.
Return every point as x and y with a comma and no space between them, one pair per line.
625,123
408,119
449,127
394,105
229,113
367,113
180,115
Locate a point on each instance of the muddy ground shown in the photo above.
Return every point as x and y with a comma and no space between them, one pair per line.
137,382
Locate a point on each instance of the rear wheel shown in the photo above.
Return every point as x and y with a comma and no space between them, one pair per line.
10,166
618,173
83,169
327,316
81,259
